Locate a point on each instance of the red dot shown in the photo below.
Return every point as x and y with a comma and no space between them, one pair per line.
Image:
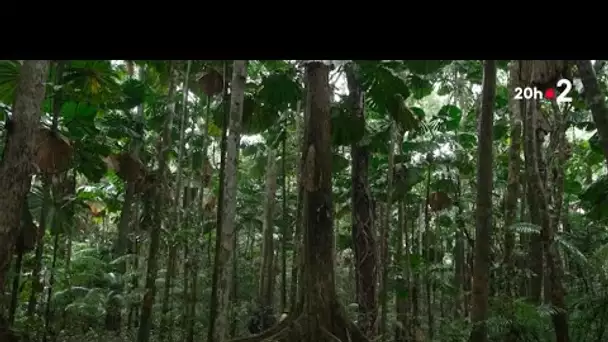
550,94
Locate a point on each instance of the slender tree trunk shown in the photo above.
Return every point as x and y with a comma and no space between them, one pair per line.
296,268
213,301
165,328
459,255
363,233
401,279
428,254
155,222
267,275
483,235
513,187
286,232
225,251
385,257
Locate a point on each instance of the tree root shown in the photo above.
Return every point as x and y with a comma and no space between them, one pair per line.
306,327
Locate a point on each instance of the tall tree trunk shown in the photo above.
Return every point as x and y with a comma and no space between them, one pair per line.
196,262
385,257
165,328
286,232
157,192
213,301
541,209
513,186
319,317
363,233
297,258
267,275
324,319
401,279
427,253
483,234
225,252
459,255
47,203
16,167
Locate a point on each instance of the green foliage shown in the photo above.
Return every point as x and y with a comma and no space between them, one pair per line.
345,128
9,71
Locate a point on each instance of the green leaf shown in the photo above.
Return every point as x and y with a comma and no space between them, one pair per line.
500,131
79,119
402,292
404,117
279,91
425,67
78,111
420,87
525,228
444,220
379,138
572,186
346,129
9,73
450,116
450,111
467,140
134,93
262,119
502,97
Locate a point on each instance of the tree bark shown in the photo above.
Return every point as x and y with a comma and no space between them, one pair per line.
596,102
16,167
513,186
362,218
226,248
479,312
267,274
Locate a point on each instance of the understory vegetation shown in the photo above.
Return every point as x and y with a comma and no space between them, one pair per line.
276,200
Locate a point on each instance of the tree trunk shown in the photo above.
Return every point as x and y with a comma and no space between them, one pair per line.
166,329
385,227
513,186
401,279
213,301
47,204
157,192
483,236
363,233
429,258
596,102
16,167
541,209
296,267
225,251
322,317
267,275
286,232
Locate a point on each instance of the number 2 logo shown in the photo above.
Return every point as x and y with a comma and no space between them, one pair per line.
563,96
